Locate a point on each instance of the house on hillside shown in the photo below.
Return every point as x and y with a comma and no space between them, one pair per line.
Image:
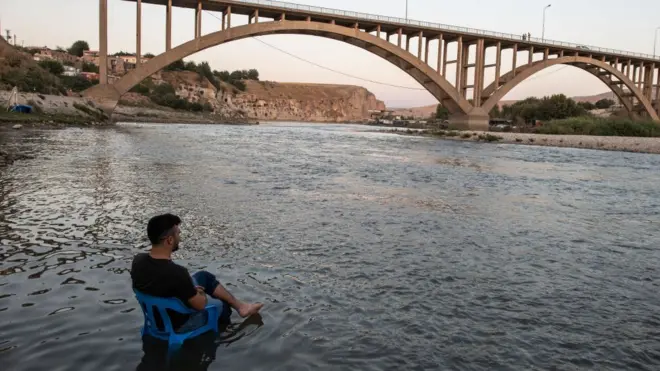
132,59
71,71
45,53
91,56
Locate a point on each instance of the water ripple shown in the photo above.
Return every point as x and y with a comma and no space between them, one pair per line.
371,251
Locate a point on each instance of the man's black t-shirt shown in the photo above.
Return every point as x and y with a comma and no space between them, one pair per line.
163,278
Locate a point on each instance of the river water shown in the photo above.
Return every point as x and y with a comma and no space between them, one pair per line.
371,251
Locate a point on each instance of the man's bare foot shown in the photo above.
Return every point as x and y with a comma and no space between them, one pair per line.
246,310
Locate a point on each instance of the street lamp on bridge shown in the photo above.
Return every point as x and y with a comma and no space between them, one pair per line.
543,32
406,10
655,40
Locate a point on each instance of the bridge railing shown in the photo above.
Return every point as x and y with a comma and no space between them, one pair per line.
441,27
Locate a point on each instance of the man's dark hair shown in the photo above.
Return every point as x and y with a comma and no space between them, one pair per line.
160,227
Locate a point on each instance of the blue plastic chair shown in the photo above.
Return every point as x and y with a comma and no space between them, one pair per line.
175,340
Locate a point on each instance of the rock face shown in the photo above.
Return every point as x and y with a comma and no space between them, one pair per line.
265,100
305,102
189,85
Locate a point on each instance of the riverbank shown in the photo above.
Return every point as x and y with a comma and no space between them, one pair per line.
124,113
61,111
607,143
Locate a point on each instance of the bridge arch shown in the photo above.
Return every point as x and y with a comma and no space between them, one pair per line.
436,84
590,65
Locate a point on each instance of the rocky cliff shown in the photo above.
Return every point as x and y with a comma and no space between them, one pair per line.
265,100
305,102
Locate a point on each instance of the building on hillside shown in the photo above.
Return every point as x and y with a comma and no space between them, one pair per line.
132,59
118,66
91,56
91,76
45,53
71,71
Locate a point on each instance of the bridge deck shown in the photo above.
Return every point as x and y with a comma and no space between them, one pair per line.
273,9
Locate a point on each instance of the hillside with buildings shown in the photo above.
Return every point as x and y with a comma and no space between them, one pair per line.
186,86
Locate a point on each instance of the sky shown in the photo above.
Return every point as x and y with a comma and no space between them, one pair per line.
628,25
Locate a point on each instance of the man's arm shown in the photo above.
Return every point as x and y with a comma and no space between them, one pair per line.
188,292
198,302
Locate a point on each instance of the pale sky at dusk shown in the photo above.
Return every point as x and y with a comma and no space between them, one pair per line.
613,24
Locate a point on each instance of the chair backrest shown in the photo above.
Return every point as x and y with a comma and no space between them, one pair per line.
148,303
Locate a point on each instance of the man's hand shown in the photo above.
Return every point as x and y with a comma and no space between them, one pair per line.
200,290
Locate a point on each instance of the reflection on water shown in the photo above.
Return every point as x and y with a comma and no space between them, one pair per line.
196,354
371,250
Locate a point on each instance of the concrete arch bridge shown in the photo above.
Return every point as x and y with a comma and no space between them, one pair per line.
465,92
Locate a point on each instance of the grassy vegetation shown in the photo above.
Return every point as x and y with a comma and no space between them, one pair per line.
165,95
587,125
18,69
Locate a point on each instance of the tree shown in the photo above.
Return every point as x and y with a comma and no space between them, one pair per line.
253,75
149,55
222,75
240,85
191,66
140,89
605,103
235,76
195,107
587,105
441,113
52,66
204,70
163,89
549,108
176,66
90,67
495,112
76,83
78,48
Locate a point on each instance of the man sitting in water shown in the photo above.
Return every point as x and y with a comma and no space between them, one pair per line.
154,273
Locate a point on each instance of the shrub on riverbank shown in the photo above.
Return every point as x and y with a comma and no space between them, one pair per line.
623,127
165,95
77,83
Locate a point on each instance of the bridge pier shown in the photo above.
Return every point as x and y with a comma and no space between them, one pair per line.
103,42
105,97
476,120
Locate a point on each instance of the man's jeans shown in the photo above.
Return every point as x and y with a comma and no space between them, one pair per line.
197,320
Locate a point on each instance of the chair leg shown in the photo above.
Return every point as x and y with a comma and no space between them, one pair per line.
174,345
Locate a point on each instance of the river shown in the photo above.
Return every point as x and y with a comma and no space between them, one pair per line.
371,251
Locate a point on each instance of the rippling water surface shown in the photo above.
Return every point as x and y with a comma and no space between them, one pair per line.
371,251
